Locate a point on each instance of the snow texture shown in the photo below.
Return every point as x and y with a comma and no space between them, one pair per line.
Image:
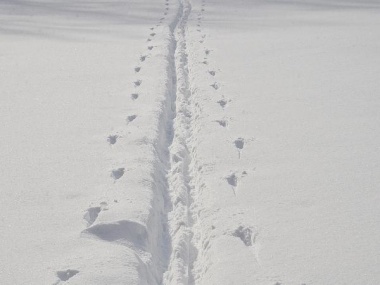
190,142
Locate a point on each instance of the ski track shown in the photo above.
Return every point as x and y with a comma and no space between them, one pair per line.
180,175
171,246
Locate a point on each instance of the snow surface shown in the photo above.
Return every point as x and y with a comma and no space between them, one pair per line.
190,142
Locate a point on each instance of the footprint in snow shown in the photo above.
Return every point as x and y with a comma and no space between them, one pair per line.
112,139
137,83
131,118
134,96
92,213
143,58
222,123
207,51
66,274
222,103
239,144
216,86
246,234
150,47
117,173
233,180
137,69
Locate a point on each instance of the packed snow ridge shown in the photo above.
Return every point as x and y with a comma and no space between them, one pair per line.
181,173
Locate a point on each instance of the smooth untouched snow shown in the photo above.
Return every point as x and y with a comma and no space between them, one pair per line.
190,142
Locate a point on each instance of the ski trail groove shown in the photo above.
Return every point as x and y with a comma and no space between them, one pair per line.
179,175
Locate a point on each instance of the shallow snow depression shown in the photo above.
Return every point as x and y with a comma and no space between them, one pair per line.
189,142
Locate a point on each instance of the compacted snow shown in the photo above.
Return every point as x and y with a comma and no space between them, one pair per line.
190,142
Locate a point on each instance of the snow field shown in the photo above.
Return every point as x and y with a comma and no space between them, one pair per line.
190,142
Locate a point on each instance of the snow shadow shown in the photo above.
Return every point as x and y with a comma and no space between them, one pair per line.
303,4
259,14
73,19
122,231
329,4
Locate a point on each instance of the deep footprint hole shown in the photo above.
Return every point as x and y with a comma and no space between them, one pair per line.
92,214
239,143
222,123
131,118
216,86
66,274
134,96
117,173
232,180
112,139
222,103
245,234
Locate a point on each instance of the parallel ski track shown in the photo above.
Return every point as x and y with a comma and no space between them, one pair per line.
180,174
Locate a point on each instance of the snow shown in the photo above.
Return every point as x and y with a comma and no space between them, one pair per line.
190,142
